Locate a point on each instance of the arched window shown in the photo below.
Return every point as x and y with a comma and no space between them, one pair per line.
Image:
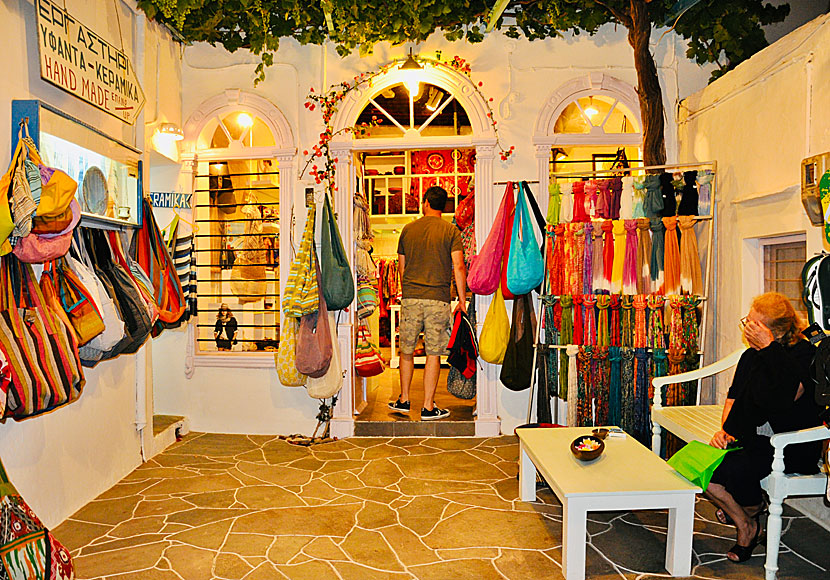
236,210
431,111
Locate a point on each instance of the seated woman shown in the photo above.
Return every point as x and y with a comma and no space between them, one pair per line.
772,383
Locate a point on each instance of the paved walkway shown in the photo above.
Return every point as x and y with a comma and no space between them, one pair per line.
235,506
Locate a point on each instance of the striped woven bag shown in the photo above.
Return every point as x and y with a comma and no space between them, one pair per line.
300,297
40,348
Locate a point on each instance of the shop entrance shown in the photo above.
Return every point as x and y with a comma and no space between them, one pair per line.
392,184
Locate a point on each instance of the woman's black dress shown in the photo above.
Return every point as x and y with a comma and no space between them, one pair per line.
764,388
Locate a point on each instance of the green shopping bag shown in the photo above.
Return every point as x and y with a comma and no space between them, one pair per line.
697,462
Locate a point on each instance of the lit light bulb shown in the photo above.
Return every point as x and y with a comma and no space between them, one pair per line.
591,110
413,85
244,120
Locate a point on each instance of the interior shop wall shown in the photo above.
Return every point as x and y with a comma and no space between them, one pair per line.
759,121
62,460
518,75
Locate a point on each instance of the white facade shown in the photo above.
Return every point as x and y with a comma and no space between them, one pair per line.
759,121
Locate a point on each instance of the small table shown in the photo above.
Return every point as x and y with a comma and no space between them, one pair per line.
627,476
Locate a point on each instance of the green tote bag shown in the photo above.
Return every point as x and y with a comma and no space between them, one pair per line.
697,462
338,282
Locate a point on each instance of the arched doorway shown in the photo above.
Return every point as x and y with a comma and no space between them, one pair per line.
408,133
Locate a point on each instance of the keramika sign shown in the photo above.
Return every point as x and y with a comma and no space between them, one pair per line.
76,59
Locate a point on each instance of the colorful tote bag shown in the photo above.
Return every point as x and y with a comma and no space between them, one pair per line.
40,348
495,333
367,359
301,296
525,266
27,550
285,357
485,270
367,296
338,283
330,383
77,302
314,346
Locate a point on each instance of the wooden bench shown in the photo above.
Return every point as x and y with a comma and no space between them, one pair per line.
700,422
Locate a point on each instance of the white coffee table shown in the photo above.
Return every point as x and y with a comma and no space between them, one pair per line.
627,476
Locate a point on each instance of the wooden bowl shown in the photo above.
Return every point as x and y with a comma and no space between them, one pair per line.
587,455
600,433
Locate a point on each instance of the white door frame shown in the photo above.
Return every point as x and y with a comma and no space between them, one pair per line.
483,138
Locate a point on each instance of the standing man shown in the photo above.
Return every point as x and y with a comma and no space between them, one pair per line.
430,257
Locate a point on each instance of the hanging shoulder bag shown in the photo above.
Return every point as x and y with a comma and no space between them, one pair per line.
457,384
337,279
37,248
509,218
300,296
495,333
518,358
286,358
525,266
314,344
330,383
41,349
27,549
485,270
367,359
76,301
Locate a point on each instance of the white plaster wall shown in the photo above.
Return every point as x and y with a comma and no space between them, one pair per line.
62,460
233,400
758,122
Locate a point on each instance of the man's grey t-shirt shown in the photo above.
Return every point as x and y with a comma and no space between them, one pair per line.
427,245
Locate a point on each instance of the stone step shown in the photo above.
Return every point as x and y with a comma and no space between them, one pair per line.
441,428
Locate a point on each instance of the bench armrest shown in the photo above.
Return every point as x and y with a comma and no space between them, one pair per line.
781,440
716,367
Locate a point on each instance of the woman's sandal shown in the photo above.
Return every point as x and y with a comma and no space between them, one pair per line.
744,553
724,518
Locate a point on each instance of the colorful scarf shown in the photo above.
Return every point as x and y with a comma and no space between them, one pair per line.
627,198
688,203
659,363
643,257
607,253
658,231
640,321
616,187
639,198
704,191
588,260
615,320
589,325
614,387
591,199
619,257
597,264
671,257
656,338
568,259
600,378
580,215
583,399
691,280
571,371
557,265
653,204
627,321
551,338
578,319
566,207
627,388
668,195
603,199
578,257
566,333
603,335
630,260
642,422
554,203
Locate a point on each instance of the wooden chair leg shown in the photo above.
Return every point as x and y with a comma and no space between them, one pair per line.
656,431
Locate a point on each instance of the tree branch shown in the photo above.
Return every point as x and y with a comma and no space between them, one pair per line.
624,18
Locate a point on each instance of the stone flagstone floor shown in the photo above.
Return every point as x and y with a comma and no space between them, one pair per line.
256,508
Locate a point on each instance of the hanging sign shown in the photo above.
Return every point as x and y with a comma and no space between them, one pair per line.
171,199
76,59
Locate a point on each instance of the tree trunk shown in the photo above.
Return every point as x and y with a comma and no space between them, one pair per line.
648,85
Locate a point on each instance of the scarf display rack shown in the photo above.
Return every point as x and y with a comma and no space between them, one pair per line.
603,280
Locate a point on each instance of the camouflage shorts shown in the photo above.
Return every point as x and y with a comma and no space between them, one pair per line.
430,316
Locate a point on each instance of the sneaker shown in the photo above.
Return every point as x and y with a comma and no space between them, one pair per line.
399,407
436,413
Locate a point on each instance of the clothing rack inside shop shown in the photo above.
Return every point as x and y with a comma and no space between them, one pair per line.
710,219
516,181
